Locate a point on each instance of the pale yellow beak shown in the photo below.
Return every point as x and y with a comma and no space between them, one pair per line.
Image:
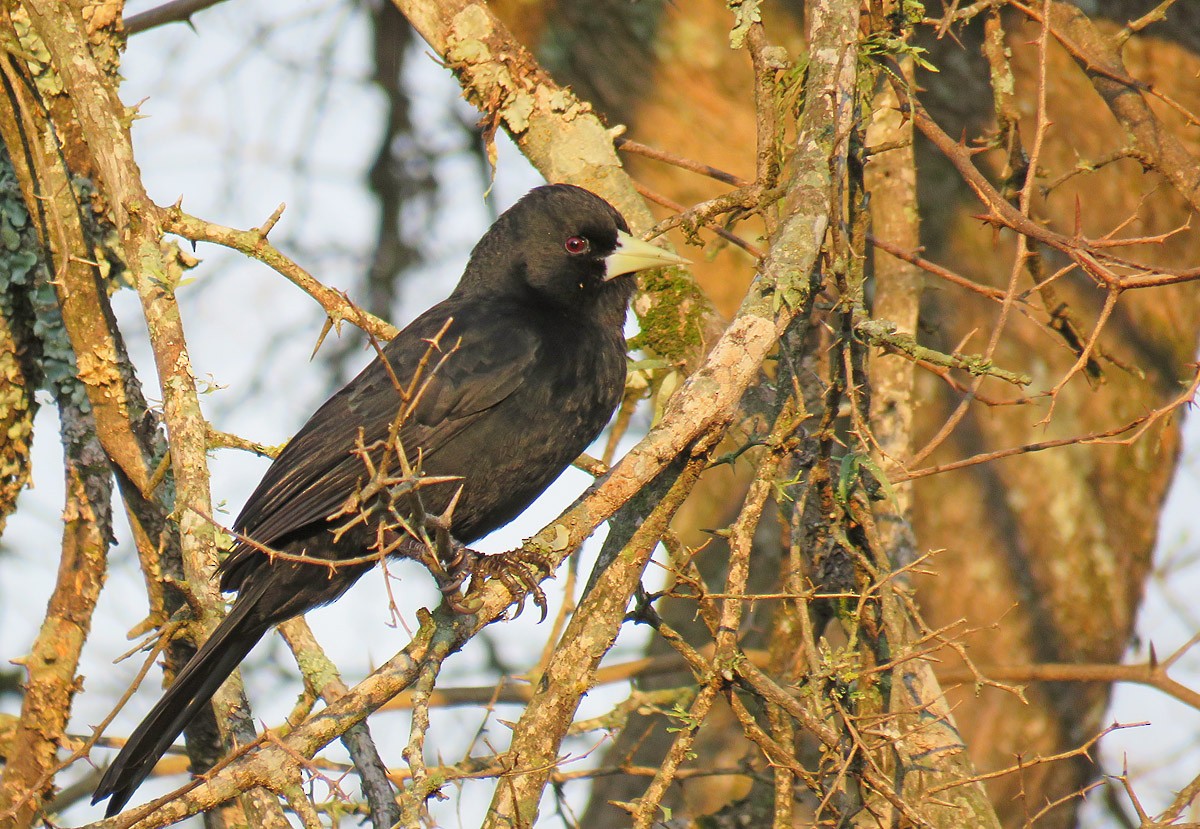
635,255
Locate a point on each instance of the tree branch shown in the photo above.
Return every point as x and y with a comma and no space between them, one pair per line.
175,11
564,139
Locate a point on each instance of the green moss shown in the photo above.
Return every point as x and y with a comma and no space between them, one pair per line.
673,320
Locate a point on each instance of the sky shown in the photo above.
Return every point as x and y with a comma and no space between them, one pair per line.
254,108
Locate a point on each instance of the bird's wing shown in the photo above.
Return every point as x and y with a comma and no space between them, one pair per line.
318,470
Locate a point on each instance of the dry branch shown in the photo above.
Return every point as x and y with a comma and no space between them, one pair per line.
1100,59
254,243
31,759
571,669
90,105
706,402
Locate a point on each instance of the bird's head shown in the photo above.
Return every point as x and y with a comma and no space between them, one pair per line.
564,247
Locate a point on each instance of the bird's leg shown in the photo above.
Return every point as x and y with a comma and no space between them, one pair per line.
449,551
448,560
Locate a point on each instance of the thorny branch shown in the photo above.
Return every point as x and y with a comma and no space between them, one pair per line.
254,243
1088,254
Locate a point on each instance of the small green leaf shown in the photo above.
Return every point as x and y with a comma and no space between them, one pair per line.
847,475
868,463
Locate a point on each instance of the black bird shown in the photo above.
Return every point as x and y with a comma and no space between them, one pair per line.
532,357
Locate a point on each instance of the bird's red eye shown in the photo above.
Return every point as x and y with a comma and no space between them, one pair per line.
576,245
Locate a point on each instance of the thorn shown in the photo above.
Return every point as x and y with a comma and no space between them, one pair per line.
271,221
325,329
430,480
448,513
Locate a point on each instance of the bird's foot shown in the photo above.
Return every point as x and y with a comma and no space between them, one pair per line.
452,563
451,572
519,571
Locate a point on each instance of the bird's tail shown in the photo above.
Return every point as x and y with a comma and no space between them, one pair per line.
194,686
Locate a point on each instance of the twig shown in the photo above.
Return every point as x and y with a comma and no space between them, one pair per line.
1099,57
883,334
630,146
422,785
1155,15
226,440
1083,166
1093,261
175,11
91,740
592,466
253,243
1138,425
320,672
569,670
645,810
750,197
727,235
957,15
1152,676
1083,750
1110,302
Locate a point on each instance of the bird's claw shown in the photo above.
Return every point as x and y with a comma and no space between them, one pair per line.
519,571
